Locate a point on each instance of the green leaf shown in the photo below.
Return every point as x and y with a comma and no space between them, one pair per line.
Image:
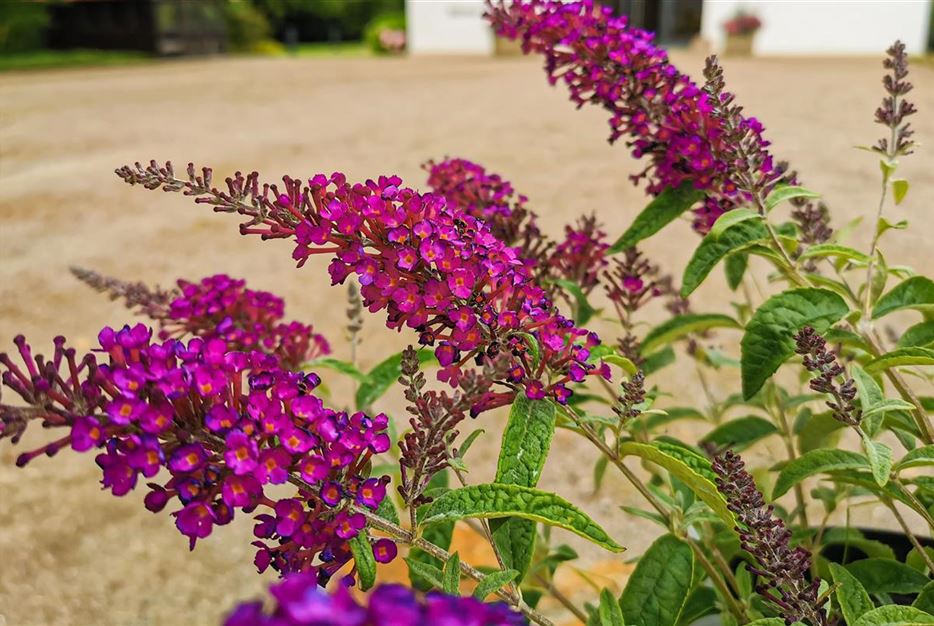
918,336
384,376
451,575
428,575
337,365
782,193
916,292
852,538
621,362
900,358
387,510
363,560
583,311
438,534
884,406
526,442
735,266
535,350
887,576
691,468
925,600
822,250
713,249
665,208
496,501
493,582
884,225
894,615
880,460
731,218
919,457
870,396
768,621
769,338
658,360
816,462
681,325
899,189
609,612
740,433
658,588
468,441
701,602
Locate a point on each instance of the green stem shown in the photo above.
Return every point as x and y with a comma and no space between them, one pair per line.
909,534
735,608
409,538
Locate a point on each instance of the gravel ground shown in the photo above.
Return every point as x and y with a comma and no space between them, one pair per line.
72,554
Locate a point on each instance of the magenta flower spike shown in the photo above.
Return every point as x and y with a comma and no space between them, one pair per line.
467,294
223,424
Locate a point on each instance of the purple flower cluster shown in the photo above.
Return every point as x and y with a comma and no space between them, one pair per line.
432,267
298,602
219,307
582,256
485,196
666,117
224,424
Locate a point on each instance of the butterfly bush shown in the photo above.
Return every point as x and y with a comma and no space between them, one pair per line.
219,307
224,424
298,602
430,266
214,412
665,117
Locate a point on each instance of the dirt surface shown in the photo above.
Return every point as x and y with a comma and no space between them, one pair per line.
72,554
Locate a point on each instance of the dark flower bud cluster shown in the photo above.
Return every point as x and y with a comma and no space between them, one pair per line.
432,267
667,118
427,448
630,284
153,302
782,570
224,424
218,307
894,107
633,395
823,362
298,602
741,147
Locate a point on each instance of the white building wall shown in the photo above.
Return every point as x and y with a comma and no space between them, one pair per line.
791,27
447,27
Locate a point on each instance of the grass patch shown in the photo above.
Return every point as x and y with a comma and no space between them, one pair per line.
54,59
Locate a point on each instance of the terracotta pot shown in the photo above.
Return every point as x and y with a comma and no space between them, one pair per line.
739,45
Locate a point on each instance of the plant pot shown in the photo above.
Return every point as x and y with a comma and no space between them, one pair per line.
739,45
503,47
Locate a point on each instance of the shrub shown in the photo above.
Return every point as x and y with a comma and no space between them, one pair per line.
386,33
22,26
220,398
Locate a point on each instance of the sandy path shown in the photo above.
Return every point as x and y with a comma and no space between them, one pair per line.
71,554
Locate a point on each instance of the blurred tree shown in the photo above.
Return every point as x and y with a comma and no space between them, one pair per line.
22,26
328,20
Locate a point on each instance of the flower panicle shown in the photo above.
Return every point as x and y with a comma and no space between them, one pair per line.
895,108
632,396
486,196
432,267
298,602
225,424
782,570
152,302
665,117
828,373
428,447
218,307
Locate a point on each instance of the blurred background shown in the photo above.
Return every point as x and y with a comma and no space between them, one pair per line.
364,87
